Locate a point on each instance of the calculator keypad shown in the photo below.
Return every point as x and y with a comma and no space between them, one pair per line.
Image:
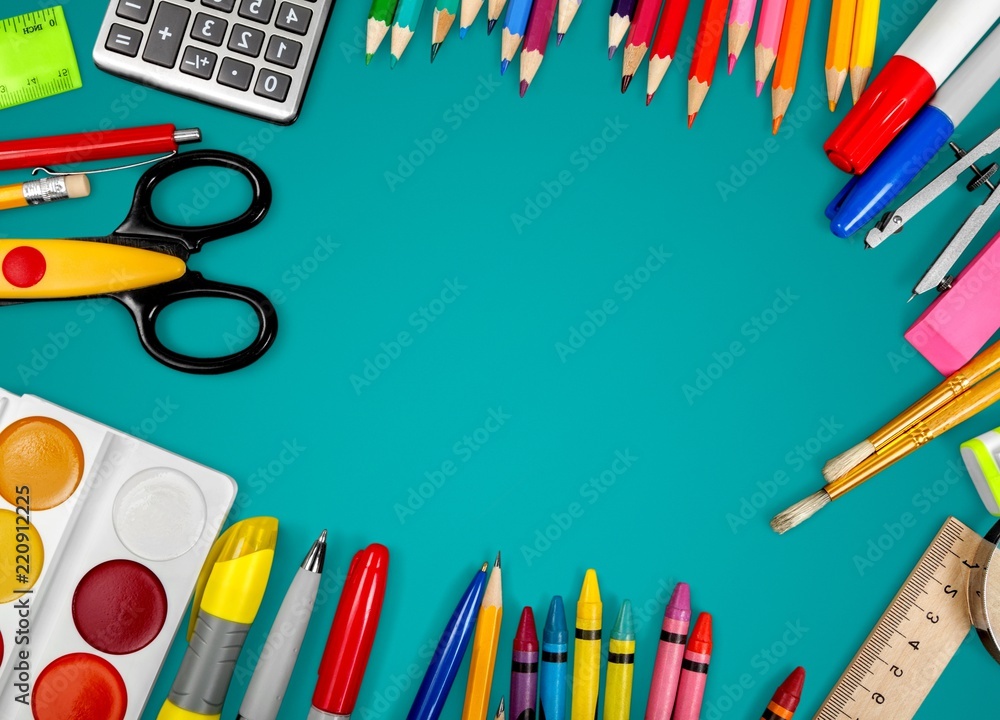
238,54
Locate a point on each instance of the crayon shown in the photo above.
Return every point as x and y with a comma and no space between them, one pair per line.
536,39
587,650
621,663
524,669
786,698
669,654
694,670
552,672
484,649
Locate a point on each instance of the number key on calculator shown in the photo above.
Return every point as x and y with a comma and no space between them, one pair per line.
252,56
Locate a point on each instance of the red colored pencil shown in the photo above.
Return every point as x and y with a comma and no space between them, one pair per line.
640,37
668,35
536,38
706,54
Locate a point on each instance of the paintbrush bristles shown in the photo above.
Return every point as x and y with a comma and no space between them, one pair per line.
839,466
799,512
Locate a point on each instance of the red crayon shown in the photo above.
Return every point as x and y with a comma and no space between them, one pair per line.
786,697
694,671
536,38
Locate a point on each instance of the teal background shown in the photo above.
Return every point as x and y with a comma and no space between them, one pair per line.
834,358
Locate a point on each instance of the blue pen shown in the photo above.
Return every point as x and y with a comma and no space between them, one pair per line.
440,675
514,23
553,670
865,196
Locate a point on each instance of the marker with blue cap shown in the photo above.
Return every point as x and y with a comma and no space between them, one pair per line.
865,196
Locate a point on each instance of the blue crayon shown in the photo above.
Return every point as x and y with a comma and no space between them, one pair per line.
553,670
440,675
514,24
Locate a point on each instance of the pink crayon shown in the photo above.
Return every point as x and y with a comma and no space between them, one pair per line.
669,654
694,670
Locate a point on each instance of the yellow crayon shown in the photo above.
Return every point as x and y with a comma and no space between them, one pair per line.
587,650
621,662
484,649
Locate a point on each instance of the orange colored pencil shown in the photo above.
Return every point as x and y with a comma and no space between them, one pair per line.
786,69
706,54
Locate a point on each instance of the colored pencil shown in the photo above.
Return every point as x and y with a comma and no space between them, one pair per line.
536,39
706,53
622,12
403,27
445,12
838,48
786,70
640,37
514,24
470,9
379,19
567,11
493,11
668,35
740,22
772,14
863,45
484,648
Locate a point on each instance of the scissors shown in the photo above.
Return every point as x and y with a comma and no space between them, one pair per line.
143,265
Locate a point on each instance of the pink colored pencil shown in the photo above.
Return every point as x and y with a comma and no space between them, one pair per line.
668,35
669,654
740,21
536,39
772,14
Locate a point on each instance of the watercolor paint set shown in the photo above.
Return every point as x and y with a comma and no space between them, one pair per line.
103,537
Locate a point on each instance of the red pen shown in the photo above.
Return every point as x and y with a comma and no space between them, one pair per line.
351,636
97,145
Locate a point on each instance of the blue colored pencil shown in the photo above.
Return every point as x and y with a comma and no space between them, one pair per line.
553,670
514,23
440,675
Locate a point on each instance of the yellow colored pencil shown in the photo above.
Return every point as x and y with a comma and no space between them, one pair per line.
863,45
43,190
838,48
587,650
484,649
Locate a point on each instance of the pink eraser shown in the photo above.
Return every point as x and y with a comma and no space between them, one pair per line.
961,320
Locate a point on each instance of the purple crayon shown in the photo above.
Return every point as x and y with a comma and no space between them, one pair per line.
524,669
669,654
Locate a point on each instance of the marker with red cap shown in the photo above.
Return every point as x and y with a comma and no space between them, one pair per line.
786,698
929,55
351,636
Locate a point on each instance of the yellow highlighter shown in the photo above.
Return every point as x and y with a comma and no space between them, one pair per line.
587,660
227,597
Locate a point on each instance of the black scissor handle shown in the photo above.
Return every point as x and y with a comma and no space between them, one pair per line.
142,221
146,305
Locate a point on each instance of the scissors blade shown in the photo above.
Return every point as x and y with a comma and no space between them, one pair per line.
957,245
930,192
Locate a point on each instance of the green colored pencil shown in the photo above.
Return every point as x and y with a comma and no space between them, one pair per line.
405,24
445,12
379,20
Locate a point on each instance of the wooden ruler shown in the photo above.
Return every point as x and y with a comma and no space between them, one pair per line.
915,638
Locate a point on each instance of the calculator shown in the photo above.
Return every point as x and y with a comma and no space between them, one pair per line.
251,56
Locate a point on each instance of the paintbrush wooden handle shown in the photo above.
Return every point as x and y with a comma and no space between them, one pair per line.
984,364
979,397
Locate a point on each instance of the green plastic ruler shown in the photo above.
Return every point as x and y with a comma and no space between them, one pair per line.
36,57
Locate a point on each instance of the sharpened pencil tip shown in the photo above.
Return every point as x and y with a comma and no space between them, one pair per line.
490,24
524,87
691,119
462,31
504,64
496,564
760,87
611,51
392,61
434,50
368,58
649,98
911,297
559,37
833,106
626,81
776,124
732,63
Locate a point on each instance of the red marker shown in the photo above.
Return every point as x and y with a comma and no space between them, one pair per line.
786,697
97,145
351,636
929,55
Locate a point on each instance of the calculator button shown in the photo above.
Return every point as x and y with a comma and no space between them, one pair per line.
137,10
293,18
282,51
224,5
209,29
246,41
235,74
198,62
272,85
124,40
259,10
165,35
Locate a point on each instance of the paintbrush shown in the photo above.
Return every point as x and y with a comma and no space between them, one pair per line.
967,404
954,385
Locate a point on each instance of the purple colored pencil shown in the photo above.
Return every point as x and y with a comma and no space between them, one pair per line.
669,654
524,669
